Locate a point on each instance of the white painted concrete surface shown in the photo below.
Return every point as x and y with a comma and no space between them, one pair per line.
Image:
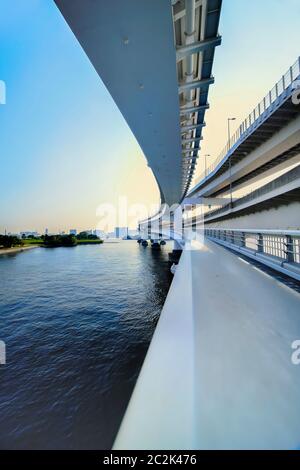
279,143
283,217
218,373
246,388
160,412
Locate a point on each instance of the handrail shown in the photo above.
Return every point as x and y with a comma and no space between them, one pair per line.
292,233
279,88
278,249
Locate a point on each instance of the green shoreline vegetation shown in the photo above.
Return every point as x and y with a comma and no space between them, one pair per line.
49,241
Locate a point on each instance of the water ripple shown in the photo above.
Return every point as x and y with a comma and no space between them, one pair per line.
77,324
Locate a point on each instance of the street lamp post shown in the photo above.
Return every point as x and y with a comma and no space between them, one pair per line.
206,155
230,174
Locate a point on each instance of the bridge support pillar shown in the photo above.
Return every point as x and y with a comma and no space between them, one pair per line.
155,245
149,229
174,256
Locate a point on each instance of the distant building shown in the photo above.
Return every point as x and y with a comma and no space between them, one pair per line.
133,233
99,233
46,231
121,232
73,231
29,234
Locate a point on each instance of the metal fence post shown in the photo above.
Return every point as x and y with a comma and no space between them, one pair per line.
243,239
289,245
260,243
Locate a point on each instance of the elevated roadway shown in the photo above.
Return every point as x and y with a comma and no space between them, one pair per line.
155,57
267,141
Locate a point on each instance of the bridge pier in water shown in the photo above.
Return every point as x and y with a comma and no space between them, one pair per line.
155,245
175,255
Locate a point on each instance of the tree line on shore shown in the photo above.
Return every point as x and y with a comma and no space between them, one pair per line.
49,241
7,241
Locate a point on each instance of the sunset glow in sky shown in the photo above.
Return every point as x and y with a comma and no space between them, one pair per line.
65,148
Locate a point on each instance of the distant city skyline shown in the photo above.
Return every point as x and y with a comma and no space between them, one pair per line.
118,232
64,145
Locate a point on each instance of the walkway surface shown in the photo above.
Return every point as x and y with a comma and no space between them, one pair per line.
218,373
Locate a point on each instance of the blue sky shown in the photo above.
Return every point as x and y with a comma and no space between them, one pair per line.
64,146
261,40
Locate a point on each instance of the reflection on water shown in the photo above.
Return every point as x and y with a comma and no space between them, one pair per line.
77,323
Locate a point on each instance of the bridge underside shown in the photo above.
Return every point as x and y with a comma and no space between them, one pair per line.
155,58
131,46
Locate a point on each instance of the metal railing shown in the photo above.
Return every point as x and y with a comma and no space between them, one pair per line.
281,181
275,248
258,113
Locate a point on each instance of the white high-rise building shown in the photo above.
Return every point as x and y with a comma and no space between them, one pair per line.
121,232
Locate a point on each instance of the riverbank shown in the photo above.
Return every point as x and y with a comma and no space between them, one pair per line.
16,249
57,241
89,242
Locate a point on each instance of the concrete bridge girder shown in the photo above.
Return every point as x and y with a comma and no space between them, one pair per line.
281,142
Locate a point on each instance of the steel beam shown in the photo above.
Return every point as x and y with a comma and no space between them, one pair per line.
205,82
186,154
189,159
192,127
191,150
190,141
195,47
193,109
